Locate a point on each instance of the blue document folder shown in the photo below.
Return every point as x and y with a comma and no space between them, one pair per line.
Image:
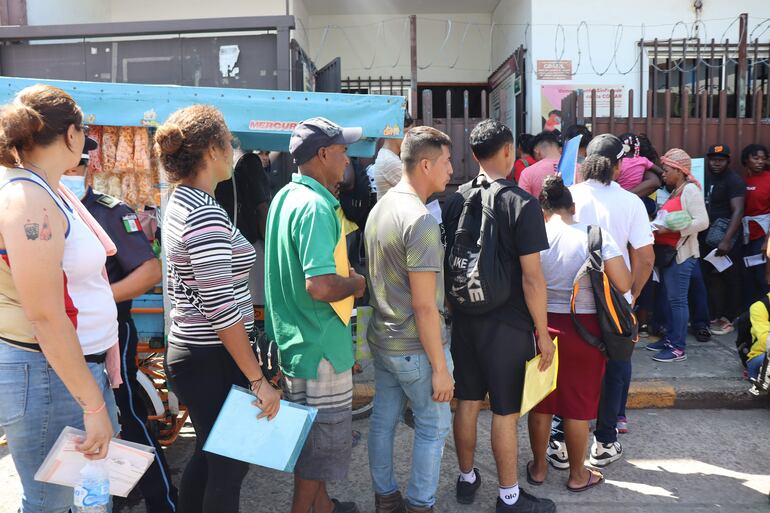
274,444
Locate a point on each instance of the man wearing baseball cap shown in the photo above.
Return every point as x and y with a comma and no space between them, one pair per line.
316,353
601,201
725,200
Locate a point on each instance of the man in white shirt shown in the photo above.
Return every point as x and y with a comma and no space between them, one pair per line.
601,201
387,169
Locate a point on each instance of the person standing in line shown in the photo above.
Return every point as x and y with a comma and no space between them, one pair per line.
581,366
387,168
756,220
546,147
725,202
407,333
524,158
599,200
490,351
208,262
58,323
316,352
685,217
132,271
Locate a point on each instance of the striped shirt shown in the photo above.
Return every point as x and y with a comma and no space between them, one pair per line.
213,259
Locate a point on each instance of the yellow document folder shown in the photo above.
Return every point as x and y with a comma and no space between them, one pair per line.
538,385
343,307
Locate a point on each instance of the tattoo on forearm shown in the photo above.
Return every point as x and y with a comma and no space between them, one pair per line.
35,231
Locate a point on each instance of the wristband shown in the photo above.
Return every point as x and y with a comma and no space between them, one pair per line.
93,412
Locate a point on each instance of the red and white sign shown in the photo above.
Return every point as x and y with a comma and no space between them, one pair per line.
554,70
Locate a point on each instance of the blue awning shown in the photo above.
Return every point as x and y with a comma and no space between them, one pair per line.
261,119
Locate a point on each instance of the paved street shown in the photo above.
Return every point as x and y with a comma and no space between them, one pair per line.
677,461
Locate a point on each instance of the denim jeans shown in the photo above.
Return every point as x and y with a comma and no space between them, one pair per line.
755,365
617,377
398,379
35,407
699,298
676,280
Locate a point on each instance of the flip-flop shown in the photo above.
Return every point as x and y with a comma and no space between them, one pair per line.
590,484
530,479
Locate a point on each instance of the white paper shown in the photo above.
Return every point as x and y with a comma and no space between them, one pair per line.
754,260
655,277
228,58
435,210
720,263
126,462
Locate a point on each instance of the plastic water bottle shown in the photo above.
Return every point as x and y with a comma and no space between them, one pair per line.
92,494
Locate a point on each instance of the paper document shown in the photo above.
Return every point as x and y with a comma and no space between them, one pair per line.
537,385
274,444
343,307
720,263
126,462
434,207
754,260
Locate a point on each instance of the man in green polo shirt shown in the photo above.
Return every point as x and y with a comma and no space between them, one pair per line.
301,280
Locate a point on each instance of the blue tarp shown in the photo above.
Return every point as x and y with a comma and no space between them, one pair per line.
260,119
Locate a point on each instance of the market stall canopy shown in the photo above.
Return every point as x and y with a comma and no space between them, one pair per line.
261,119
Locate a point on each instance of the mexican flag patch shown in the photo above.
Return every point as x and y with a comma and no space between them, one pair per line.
131,223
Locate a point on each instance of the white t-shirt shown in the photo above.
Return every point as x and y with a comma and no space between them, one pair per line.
615,210
387,171
563,259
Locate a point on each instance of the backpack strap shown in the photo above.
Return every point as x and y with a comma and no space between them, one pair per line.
593,262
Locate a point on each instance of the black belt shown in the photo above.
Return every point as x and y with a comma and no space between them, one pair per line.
90,358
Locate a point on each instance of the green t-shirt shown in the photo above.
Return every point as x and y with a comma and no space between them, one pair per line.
302,232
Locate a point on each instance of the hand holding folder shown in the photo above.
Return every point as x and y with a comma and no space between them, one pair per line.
539,384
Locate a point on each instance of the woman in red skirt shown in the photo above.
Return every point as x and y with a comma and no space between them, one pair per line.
581,366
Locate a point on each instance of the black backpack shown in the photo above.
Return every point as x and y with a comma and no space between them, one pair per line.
743,338
478,278
359,201
619,328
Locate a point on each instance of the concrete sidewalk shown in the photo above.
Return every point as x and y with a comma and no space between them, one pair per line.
711,377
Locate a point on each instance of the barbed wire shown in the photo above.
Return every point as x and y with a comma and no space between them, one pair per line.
679,64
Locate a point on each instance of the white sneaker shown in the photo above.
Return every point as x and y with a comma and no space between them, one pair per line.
604,454
556,455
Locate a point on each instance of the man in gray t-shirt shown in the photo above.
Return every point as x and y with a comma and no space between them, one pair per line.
407,332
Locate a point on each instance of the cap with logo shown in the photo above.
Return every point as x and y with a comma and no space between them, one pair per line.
89,145
313,134
718,150
606,145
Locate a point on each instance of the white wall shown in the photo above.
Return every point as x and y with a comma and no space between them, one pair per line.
370,45
659,18
54,12
510,19
142,10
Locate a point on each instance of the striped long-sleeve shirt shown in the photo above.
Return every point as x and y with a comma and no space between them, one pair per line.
213,259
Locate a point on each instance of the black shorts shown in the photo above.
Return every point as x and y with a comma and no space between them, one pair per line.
489,358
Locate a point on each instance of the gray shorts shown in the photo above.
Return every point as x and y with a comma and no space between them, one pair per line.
326,454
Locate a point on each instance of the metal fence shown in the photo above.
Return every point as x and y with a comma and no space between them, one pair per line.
691,133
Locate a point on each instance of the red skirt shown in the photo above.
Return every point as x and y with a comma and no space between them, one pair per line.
581,369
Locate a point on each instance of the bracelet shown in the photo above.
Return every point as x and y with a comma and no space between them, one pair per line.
252,382
92,412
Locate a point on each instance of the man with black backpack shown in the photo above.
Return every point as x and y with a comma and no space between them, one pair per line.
497,292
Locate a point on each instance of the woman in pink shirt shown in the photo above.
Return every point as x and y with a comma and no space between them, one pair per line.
638,174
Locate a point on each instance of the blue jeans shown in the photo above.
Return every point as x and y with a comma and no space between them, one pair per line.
676,279
755,365
617,377
698,297
398,379
35,407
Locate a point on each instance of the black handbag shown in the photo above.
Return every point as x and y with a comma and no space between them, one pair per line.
664,255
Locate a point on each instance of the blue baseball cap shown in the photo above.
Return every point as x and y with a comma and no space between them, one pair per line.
313,134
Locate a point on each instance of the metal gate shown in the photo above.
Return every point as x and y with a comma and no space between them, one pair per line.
329,78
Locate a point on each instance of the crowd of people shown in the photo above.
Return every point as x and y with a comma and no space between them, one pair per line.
64,327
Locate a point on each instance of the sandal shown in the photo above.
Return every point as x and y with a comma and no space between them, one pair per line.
531,480
590,484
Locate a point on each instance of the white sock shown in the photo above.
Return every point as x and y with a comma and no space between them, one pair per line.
510,495
469,477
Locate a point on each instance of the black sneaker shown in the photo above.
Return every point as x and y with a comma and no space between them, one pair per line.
466,492
702,334
344,507
526,504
